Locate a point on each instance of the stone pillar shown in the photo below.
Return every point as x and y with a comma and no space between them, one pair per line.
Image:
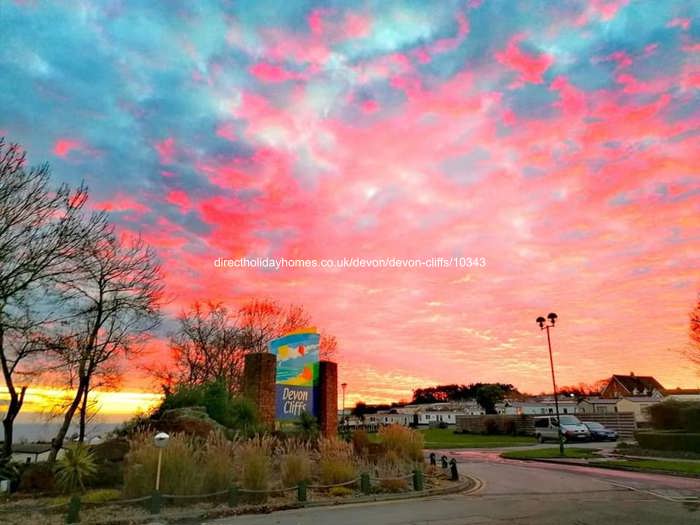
328,398
259,377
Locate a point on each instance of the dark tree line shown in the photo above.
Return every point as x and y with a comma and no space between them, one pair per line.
442,393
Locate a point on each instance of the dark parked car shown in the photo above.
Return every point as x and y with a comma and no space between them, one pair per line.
600,433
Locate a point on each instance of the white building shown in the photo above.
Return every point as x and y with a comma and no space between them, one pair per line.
540,406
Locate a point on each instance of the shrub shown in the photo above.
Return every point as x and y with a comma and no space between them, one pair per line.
340,492
393,485
675,415
402,444
681,441
234,413
337,462
360,442
37,477
391,476
295,463
91,496
307,426
75,467
491,426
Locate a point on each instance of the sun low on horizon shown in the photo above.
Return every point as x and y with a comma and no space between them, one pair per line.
425,178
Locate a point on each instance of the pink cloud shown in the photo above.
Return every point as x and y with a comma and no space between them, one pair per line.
530,67
271,73
121,203
683,23
356,25
63,147
370,106
227,131
166,150
179,198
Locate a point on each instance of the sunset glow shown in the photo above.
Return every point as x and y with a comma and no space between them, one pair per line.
559,143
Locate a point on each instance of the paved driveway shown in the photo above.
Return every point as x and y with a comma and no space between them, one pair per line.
521,493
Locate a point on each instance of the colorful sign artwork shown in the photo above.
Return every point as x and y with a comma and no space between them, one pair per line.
297,373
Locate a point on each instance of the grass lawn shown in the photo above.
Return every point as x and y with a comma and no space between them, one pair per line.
446,438
553,452
678,466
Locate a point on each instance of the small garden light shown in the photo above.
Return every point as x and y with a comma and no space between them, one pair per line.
161,441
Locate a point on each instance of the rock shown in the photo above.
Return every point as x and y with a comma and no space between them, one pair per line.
190,420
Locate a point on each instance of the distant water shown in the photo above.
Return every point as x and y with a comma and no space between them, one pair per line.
35,432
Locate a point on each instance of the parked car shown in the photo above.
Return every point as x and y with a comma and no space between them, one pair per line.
599,432
546,428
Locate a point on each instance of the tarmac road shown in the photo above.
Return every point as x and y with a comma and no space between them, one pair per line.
518,492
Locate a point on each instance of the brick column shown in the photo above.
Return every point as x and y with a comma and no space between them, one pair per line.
259,385
328,398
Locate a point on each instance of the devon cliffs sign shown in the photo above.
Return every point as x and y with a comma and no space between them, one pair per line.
297,373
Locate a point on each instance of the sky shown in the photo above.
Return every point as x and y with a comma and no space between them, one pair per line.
556,142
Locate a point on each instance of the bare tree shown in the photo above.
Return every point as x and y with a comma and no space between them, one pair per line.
211,344
41,229
115,302
695,333
207,346
263,320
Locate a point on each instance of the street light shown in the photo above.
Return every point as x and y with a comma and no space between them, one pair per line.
544,325
161,441
344,386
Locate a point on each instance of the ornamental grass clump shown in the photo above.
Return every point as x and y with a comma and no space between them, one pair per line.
402,445
218,462
337,462
180,470
295,462
255,463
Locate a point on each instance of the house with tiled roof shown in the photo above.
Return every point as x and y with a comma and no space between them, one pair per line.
631,385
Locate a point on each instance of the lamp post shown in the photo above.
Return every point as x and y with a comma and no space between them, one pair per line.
161,441
544,325
344,386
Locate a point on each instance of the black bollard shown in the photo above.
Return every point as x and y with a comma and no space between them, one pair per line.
73,515
433,458
417,480
156,502
301,491
453,470
234,496
443,459
364,483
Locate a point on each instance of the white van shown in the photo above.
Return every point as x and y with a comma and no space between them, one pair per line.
546,427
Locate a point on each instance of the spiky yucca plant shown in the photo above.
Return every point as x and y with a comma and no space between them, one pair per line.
75,467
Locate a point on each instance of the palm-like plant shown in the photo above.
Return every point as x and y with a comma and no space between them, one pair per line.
75,467
307,426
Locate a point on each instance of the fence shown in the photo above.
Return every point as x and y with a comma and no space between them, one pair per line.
496,424
235,494
622,422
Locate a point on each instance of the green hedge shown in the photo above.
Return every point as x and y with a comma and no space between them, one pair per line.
684,441
675,415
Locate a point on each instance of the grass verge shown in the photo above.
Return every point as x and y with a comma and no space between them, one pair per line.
551,453
436,438
675,467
